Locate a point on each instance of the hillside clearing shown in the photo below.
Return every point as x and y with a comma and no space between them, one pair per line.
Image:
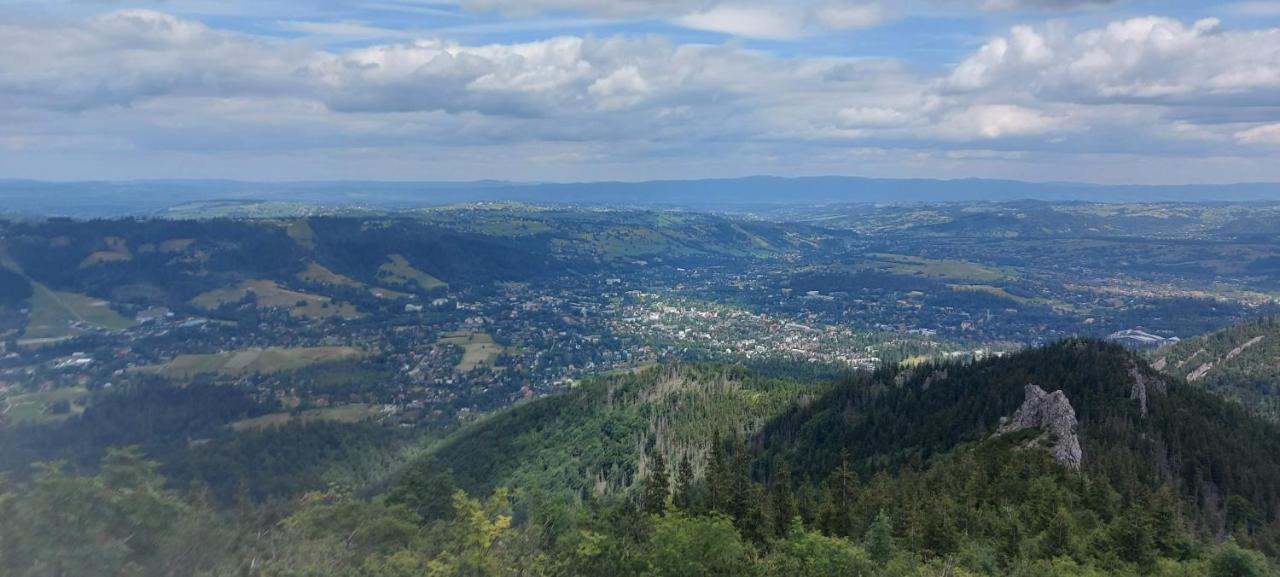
271,295
255,361
33,408
54,315
317,273
353,413
399,271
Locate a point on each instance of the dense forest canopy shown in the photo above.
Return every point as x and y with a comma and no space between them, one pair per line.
692,478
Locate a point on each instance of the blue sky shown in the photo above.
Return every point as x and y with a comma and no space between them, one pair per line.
569,90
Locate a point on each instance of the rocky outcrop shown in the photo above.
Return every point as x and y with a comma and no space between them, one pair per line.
1143,387
1053,414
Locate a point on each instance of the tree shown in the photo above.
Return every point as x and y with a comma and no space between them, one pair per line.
782,502
879,539
473,537
806,553
746,498
842,490
706,546
1241,514
1057,536
1132,538
685,499
121,520
719,485
1233,561
657,487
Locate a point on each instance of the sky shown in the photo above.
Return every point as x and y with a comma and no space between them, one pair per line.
1119,91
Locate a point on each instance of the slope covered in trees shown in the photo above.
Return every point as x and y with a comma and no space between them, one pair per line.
1238,362
713,471
1138,430
596,440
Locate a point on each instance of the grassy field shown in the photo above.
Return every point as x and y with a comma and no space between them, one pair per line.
514,227
52,314
32,408
301,232
271,295
999,292
117,251
479,350
940,269
174,245
317,273
399,271
345,413
252,361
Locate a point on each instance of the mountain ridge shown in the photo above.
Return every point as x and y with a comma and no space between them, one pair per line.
142,197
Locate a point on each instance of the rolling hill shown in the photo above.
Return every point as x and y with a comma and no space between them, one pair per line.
187,197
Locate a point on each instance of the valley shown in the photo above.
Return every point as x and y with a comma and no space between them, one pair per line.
770,363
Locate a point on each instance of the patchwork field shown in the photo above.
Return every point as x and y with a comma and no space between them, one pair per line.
33,408
53,315
479,350
271,295
398,271
317,273
117,251
939,269
346,414
255,361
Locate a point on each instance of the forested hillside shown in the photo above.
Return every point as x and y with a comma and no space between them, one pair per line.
596,441
713,471
1238,363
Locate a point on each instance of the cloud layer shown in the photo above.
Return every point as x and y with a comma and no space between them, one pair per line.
145,84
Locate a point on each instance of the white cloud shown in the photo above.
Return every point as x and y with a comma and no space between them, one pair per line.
615,8
754,21
155,84
1150,58
120,57
838,16
622,88
1265,134
990,121
1042,4
343,30
873,116
764,19
1024,50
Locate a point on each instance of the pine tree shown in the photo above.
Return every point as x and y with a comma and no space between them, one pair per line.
782,501
741,503
879,539
719,486
685,499
1057,536
842,498
657,486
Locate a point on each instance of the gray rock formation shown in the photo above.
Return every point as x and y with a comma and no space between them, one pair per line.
1143,387
1053,414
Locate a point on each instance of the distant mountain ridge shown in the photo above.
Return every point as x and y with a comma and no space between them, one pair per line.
96,199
